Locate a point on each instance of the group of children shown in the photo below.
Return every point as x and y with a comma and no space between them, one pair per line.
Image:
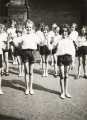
62,44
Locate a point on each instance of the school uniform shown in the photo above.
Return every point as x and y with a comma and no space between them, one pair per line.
1,47
17,46
29,45
82,46
65,52
3,38
43,46
74,37
57,38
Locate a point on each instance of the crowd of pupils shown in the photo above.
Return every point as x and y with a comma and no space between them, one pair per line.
63,43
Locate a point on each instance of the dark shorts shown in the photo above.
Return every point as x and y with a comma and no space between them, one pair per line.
0,60
44,50
82,51
17,51
64,60
27,56
54,50
5,50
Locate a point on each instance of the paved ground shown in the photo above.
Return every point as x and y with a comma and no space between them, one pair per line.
46,104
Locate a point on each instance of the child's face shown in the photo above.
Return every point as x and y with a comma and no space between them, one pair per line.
29,28
83,30
57,30
19,34
73,27
65,32
1,30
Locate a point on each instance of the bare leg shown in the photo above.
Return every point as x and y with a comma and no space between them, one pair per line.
26,66
84,65
46,66
31,79
61,69
1,92
5,56
79,66
55,65
66,72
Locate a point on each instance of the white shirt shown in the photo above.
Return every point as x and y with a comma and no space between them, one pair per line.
30,41
82,41
3,40
73,35
41,36
17,40
12,33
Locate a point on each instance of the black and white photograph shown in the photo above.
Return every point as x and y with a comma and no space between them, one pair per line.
43,59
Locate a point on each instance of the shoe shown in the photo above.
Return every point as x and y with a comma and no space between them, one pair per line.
62,96
2,73
68,95
77,77
21,75
31,92
6,74
15,63
85,76
55,75
26,91
44,75
1,92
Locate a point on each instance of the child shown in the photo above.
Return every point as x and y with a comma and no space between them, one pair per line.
74,33
82,51
1,54
40,34
44,50
51,39
11,35
17,49
5,68
53,44
29,45
66,53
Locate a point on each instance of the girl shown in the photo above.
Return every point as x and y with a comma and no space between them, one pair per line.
44,50
40,34
29,45
82,51
11,31
51,39
5,50
65,53
17,48
53,44
1,54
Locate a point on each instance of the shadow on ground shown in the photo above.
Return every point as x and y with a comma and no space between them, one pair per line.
20,85
5,117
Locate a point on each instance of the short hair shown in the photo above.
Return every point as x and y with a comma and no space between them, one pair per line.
2,26
28,22
54,25
19,28
46,28
74,24
65,26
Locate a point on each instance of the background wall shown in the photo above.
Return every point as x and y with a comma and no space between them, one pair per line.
60,11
